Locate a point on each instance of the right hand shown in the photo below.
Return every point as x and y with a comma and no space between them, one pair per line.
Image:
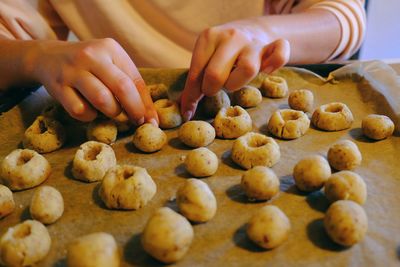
90,75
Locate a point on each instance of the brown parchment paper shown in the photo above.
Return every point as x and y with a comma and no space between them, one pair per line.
222,241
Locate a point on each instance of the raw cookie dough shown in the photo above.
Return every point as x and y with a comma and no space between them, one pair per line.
168,113
23,169
167,235
211,105
232,122
311,173
44,135
288,123
377,127
93,250
301,100
346,185
274,87
149,138
247,97
196,201
102,130
346,222
122,122
253,149
127,187
196,133
7,204
92,160
201,162
344,155
47,205
260,183
157,91
25,244
332,117
269,227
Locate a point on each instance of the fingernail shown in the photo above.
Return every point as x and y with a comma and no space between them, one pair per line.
154,122
140,121
187,116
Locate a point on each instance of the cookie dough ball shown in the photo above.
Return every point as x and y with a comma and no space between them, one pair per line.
196,133
44,135
92,160
149,138
23,169
7,204
274,86
167,235
260,183
168,113
377,127
269,227
232,122
196,201
346,185
247,97
332,117
346,222
201,162
25,244
122,122
96,249
311,173
301,100
47,205
344,155
213,104
127,187
102,130
288,123
254,149
157,91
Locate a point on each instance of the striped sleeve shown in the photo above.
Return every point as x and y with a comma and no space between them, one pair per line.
352,18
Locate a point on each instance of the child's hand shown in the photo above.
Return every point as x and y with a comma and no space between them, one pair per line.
96,74
230,56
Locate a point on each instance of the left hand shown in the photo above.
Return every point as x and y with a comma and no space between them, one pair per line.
230,56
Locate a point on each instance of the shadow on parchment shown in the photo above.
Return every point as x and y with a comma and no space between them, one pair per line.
236,193
318,236
227,160
96,197
181,171
177,144
318,201
242,241
357,134
134,253
60,263
26,214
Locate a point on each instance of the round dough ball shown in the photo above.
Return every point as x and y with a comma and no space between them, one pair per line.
104,131
122,122
47,205
301,100
274,86
196,133
157,91
269,227
247,97
211,105
25,244
346,185
344,155
201,162
168,113
44,135
96,249
232,122
254,149
196,201
260,183
23,169
149,138
377,127
346,222
92,160
311,173
127,187
332,117
7,204
288,124
167,235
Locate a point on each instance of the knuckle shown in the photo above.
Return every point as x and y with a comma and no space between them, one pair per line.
248,68
209,33
100,100
86,53
123,86
213,76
